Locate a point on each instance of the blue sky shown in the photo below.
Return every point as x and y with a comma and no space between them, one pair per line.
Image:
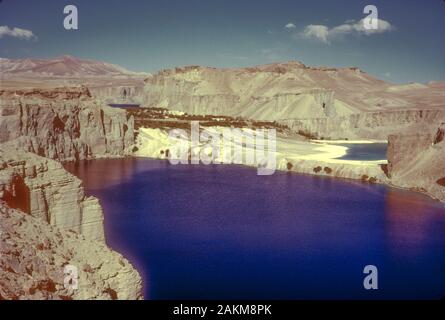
153,35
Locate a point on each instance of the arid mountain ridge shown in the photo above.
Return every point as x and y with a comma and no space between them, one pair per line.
63,66
301,89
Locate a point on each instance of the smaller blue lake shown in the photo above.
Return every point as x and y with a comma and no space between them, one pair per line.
364,151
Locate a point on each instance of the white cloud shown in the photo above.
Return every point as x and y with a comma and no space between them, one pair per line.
316,31
290,25
325,34
5,31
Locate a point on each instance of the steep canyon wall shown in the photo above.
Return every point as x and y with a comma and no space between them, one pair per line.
47,219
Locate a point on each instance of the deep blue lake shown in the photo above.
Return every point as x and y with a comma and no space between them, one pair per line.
222,232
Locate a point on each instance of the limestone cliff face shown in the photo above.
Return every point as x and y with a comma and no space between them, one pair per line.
268,92
42,188
325,102
369,125
33,256
55,222
417,162
63,124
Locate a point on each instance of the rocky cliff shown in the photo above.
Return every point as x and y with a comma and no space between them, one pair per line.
63,124
417,162
268,92
47,220
34,255
369,125
43,189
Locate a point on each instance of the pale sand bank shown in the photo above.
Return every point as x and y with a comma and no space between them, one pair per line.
154,142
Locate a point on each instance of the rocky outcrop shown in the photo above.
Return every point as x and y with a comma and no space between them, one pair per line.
34,257
47,220
369,125
42,188
63,124
417,162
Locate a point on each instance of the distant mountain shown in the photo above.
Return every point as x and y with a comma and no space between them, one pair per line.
64,66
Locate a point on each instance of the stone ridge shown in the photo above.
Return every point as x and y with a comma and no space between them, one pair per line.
64,125
417,162
315,98
47,221
42,188
33,255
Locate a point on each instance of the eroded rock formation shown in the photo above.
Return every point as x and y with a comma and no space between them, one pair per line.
42,188
369,125
63,124
418,162
47,221
324,102
34,254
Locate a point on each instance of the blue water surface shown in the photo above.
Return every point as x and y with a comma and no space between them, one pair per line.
223,232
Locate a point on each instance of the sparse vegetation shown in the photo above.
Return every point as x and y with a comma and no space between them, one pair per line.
289,166
384,168
307,134
372,180
366,178
164,119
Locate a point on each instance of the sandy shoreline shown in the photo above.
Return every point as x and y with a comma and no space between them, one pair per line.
291,155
